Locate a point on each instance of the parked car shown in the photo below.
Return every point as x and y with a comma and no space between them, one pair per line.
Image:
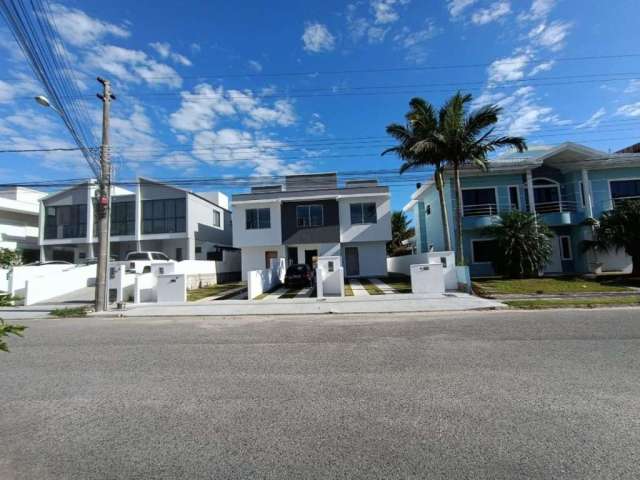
144,259
299,275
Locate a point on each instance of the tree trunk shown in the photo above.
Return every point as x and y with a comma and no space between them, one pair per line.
635,272
459,251
443,210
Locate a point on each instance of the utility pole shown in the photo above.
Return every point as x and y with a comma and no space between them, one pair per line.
104,202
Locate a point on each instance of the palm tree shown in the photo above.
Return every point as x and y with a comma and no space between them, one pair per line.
421,125
464,138
619,229
523,244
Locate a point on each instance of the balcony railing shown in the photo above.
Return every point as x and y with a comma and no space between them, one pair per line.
480,210
557,206
618,200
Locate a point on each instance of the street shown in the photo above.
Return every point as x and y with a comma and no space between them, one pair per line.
496,395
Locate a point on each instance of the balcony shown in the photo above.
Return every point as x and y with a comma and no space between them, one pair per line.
559,212
479,216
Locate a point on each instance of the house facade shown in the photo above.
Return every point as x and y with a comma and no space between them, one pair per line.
563,186
151,216
310,216
19,209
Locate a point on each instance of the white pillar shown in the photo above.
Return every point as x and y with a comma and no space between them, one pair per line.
532,204
41,220
586,188
89,235
138,215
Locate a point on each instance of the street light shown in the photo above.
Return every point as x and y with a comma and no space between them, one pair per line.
44,101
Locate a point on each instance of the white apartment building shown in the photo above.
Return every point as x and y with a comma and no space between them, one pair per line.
309,216
19,208
150,216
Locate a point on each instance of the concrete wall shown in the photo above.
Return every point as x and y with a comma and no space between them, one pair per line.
19,276
54,284
372,257
253,258
402,265
256,237
373,232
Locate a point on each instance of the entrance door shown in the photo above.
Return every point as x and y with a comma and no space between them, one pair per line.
63,255
353,263
292,255
311,257
555,264
268,255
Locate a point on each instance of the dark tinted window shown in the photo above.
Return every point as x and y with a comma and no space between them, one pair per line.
123,218
625,188
138,256
257,218
293,269
484,251
159,256
363,213
479,196
66,221
309,216
164,216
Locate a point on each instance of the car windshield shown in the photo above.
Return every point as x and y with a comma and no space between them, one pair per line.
293,269
138,256
159,256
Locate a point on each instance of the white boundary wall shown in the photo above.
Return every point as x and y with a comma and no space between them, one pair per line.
54,284
4,280
260,281
329,283
19,275
403,265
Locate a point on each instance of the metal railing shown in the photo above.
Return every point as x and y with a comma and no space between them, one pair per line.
557,206
480,210
618,200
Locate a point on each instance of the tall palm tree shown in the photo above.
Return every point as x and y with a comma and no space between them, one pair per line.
421,125
464,138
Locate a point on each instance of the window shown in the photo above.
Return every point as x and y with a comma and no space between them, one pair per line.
123,218
215,255
198,249
583,200
483,251
258,218
514,198
66,221
621,189
309,216
164,216
216,218
565,247
363,213
428,210
479,201
161,256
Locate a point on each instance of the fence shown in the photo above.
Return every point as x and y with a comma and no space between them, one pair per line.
403,264
55,284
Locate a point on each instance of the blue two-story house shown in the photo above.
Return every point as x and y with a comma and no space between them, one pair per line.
563,185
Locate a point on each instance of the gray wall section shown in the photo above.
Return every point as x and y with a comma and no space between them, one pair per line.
73,196
328,233
200,213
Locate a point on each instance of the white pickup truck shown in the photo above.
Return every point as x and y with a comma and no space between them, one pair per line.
140,262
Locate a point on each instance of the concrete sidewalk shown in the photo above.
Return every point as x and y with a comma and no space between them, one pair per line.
297,306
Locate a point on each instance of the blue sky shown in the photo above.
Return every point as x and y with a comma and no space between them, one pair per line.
213,89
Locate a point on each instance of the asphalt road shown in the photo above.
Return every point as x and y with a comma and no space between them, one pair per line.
485,395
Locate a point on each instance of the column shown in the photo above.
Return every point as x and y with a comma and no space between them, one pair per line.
138,216
90,218
532,203
586,188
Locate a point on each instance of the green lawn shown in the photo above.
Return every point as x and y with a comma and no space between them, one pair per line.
211,291
400,283
69,312
546,285
591,302
370,287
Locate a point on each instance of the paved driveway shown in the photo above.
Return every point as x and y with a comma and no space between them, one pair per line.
496,395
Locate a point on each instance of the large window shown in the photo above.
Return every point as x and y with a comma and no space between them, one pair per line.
479,201
164,216
257,218
621,189
483,251
66,221
123,218
363,213
309,216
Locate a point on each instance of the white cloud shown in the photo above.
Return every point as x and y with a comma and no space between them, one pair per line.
456,7
508,69
594,120
79,29
414,41
133,66
317,38
633,86
200,109
630,110
164,50
180,161
255,65
550,35
385,10
316,126
494,12
542,67
539,10
7,91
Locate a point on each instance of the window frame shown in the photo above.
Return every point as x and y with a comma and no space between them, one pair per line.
473,253
612,181
496,196
518,199
129,220
217,218
569,246
309,217
258,224
151,217
361,206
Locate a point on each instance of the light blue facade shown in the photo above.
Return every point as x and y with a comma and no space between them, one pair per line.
561,202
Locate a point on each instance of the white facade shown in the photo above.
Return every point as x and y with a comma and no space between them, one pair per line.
19,208
151,216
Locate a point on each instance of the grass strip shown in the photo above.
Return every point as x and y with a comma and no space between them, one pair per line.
400,283
546,285
211,291
291,293
591,302
348,291
69,312
370,287
267,293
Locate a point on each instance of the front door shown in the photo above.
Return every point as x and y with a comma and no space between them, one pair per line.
555,263
353,263
292,254
311,257
268,256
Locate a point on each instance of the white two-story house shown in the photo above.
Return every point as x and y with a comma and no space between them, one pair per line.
19,207
150,216
309,216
